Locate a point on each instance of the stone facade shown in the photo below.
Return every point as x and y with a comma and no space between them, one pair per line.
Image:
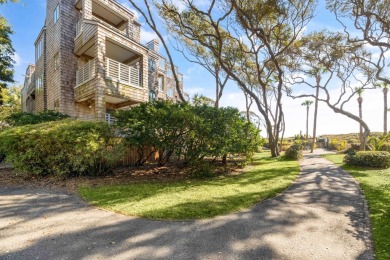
92,62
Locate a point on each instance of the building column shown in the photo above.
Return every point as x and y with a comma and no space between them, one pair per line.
87,9
100,101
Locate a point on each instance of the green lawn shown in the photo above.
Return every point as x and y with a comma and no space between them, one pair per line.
376,186
195,199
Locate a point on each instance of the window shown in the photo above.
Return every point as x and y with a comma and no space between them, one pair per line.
56,14
161,63
170,93
38,49
39,84
152,96
160,83
169,73
152,65
56,61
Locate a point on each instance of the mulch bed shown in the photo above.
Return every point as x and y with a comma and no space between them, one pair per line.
123,175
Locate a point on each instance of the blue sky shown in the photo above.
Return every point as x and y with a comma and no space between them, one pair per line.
27,18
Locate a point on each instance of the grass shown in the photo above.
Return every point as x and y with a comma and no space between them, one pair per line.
376,186
196,199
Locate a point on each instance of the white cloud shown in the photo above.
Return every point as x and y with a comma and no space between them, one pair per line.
17,59
147,36
128,6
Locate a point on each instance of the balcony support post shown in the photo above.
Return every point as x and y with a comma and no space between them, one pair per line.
87,9
100,102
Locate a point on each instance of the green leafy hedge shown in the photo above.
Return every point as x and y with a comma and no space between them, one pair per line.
190,133
22,118
294,152
66,148
375,159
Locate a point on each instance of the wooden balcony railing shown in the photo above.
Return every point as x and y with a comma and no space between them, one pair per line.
122,73
86,72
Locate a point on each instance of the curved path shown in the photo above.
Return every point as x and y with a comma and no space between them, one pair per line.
321,216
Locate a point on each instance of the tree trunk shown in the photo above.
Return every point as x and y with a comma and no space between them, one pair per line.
224,159
385,111
216,87
357,119
315,118
360,100
273,144
307,122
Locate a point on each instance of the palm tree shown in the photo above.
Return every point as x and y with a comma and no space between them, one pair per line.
385,89
359,91
307,104
318,80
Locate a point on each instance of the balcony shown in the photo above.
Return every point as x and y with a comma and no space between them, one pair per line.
122,73
86,72
110,119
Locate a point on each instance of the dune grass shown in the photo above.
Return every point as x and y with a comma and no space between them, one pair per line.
196,199
376,186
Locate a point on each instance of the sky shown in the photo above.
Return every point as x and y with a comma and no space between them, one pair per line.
27,18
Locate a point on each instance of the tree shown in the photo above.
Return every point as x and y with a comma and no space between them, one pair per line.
149,18
330,58
371,19
6,53
359,92
12,102
307,104
385,89
200,100
250,40
202,57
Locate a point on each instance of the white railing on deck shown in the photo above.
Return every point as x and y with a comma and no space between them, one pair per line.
110,119
122,73
86,72
78,27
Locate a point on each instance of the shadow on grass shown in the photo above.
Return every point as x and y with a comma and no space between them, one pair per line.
195,198
67,229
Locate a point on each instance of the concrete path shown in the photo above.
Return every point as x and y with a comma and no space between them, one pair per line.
322,216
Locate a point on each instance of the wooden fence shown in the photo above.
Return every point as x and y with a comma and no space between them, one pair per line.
130,157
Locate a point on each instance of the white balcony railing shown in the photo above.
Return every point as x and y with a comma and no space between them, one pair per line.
86,72
110,119
78,27
122,73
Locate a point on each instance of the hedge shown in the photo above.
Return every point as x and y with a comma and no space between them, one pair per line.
375,159
65,148
294,152
187,132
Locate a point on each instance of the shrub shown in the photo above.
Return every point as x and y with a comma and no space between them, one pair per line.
63,148
2,157
352,149
22,118
188,132
375,159
202,170
337,145
294,152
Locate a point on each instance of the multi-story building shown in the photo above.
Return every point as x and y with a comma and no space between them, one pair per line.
89,61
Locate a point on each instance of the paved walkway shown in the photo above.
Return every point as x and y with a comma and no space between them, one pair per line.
322,216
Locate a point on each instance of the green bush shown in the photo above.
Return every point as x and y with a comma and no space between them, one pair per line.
64,148
338,145
201,170
375,159
22,118
294,152
190,133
